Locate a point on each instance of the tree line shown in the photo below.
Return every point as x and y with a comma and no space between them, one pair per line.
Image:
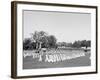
76,44
41,39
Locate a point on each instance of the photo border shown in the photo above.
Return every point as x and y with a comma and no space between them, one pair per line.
14,37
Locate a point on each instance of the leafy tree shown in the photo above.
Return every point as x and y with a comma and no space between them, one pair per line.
85,43
42,39
39,37
27,44
77,44
52,41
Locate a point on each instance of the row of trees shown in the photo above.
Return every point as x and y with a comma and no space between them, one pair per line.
76,44
39,40
44,40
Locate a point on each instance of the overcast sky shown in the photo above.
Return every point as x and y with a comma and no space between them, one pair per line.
66,27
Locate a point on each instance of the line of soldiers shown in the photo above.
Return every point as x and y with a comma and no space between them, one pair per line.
59,57
54,57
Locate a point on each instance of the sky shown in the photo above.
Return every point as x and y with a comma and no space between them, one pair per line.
65,26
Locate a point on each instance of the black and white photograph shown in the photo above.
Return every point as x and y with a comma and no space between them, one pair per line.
53,39
56,39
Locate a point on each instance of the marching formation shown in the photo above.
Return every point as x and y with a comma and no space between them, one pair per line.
61,57
53,57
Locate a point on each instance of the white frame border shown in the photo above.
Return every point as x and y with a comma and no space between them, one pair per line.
21,72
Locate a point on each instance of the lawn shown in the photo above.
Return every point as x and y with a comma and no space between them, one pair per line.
56,58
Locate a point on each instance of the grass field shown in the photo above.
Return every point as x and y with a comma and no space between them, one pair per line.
56,58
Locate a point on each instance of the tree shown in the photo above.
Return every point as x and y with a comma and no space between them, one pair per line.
52,41
77,44
27,44
85,43
35,38
39,38
88,43
42,39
